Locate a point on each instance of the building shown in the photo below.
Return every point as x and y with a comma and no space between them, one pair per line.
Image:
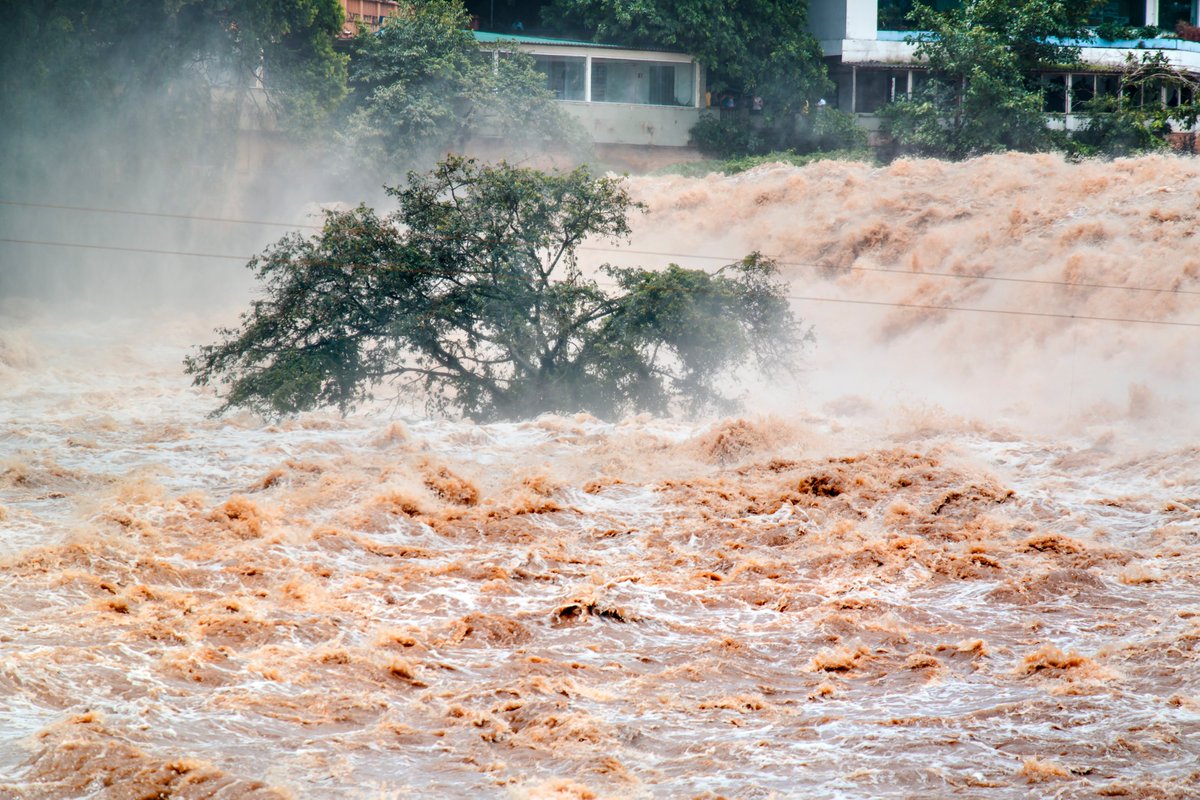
621,95
870,61
624,97
367,15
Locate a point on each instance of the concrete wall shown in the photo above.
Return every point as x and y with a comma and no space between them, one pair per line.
827,19
830,20
1183,55
862,19
876,51
635,124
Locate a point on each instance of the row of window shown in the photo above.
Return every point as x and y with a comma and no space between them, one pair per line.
1065,93
893,14
865,91
616,80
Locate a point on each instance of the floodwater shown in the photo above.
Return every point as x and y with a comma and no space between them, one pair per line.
956,557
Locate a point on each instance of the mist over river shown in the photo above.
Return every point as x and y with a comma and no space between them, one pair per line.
956,556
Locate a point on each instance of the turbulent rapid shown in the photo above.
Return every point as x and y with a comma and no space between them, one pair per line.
956,557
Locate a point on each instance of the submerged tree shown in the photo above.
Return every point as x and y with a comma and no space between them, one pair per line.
470,293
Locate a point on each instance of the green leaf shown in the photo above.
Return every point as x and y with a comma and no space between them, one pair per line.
470,295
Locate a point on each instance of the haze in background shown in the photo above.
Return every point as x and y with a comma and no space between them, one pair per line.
958,560
1059,246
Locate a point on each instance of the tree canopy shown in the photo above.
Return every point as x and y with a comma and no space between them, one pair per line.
94,91
94,53
422,86
470,294
983,95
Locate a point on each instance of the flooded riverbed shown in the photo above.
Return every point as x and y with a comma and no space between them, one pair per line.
957,557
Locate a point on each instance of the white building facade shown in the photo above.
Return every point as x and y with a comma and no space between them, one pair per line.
872,63
622,96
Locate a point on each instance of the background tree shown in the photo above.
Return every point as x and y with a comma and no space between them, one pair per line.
422,87
470,291
94,91
983,94
749,47
815,129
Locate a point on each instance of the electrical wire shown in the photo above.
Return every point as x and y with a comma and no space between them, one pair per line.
163,215
147,250
801,298
617,250
921,274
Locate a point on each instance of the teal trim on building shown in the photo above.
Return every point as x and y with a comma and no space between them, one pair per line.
1147,43
484,37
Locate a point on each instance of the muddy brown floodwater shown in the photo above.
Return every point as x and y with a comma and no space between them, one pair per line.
957,558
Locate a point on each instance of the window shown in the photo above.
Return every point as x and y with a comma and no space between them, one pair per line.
1173,11
874,90
1108,85
642,82
920,81
599,82
1120,12
1054,94
662,85
893,14
1083,89
564,76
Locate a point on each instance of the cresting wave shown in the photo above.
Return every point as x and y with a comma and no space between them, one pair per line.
959,560
884,247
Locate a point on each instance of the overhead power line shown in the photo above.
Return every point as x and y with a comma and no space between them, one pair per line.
147,250
911,273
1006,312
782,261
801,298
162,215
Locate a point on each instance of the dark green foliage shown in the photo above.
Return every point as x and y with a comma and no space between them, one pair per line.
726,136
981,96
1115,31
96,94
896,15
827,129
812,130
470,293
87,55
1110,132
732,166
422,87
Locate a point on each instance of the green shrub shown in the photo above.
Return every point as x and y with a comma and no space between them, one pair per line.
732,166
826,129
723,136
814,130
